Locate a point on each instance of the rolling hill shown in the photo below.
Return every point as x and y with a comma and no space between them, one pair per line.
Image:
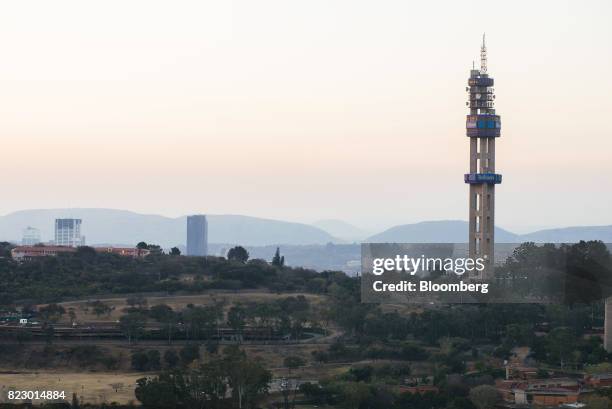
124,227
444,231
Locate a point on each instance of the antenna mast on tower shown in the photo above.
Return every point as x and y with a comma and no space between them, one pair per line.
483,56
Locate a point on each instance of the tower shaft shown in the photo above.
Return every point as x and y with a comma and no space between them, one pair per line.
482,127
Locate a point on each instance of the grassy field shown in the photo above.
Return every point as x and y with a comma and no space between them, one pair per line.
84,314
91,387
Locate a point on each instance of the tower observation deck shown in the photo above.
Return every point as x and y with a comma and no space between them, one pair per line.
483,127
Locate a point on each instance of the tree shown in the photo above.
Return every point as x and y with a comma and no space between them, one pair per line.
561,343
75,401
236,319
278,260
24,336
140,361
52,312
155,249
201,318
154,363
164,314
49,332
247,379
86,253
587,272
212,347
132,324
354,394
189,353
5,249
238,254
293,362
174,251
99,308
138,302
72,314
166,391
484,396
314,393
171,358
211,381
159,312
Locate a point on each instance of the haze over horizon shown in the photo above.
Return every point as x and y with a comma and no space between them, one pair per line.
346,110
331,226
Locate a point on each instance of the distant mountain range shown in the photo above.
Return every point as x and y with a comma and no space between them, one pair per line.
445,231
110,226
454,231
342,230
124,227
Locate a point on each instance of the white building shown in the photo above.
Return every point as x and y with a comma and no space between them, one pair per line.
68,233
31,236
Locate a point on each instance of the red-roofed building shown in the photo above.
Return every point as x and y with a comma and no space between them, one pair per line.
603,380
24,253
124,251
420,389
542,392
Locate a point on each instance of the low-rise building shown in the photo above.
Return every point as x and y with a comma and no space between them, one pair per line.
124,251
552,397
24,253
420,389
542,392
603,380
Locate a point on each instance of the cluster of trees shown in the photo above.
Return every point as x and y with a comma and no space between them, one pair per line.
241,255
569,273
81,357
151,360
557,334
288,316
229,379
368,387
86,273
396,350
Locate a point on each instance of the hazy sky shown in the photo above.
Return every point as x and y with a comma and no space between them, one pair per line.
304,110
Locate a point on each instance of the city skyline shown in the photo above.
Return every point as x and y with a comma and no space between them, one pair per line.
326,121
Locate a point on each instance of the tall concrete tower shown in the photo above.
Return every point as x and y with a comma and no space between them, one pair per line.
483,127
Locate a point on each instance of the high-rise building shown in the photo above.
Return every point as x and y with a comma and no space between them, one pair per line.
197,235
483,127
31,236
68,233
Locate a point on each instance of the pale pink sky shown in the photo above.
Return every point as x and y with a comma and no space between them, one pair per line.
303,110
